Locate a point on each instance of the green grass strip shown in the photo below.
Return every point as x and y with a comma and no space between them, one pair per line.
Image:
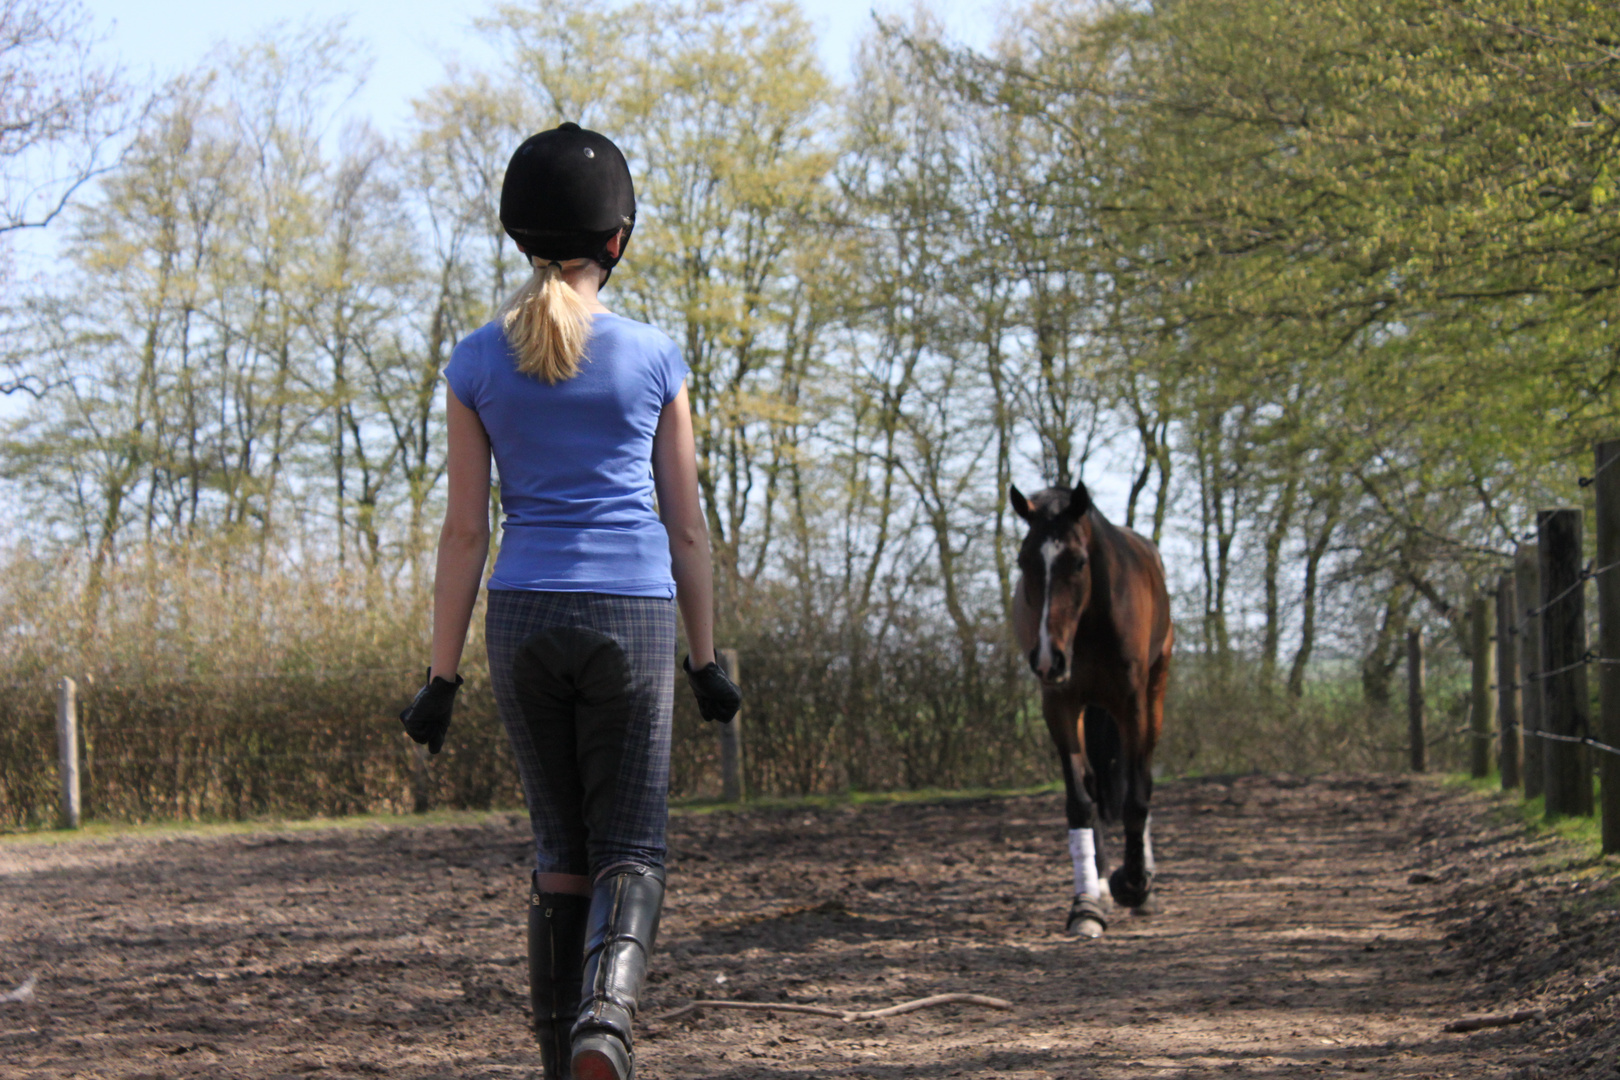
1581,847
103,830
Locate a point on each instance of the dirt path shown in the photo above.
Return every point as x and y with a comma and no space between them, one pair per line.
1308,927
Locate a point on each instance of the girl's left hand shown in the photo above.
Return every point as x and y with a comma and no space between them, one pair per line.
427,717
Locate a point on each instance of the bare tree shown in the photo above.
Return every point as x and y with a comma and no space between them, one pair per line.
60,113
60,110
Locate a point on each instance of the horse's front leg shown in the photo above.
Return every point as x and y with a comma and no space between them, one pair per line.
1132,884
1086,918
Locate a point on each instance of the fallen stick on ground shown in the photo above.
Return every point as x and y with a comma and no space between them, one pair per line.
23,992
846,1015
1479,1023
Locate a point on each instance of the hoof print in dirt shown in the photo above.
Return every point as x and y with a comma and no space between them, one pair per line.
1127,892
1085,919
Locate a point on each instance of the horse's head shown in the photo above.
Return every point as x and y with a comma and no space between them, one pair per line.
1057,572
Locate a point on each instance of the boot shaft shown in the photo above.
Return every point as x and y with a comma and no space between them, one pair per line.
625,908
557,925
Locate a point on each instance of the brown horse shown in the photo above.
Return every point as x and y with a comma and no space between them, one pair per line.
1092,609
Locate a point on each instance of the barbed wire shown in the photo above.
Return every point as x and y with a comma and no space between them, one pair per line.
96,745
1588,481
92,683
111,732
1589,657
1588,573
1540,676
103,747
1584,740
1452,733
89,683
236,759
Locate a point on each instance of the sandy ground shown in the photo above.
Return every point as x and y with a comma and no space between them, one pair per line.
1307,927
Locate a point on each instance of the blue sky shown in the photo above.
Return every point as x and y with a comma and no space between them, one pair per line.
410,40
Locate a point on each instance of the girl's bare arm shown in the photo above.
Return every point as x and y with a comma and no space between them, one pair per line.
464,538
676,480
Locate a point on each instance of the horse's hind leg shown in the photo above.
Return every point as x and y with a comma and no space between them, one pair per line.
1132,883
1105,773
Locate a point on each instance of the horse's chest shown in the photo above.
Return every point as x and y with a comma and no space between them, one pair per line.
1099,666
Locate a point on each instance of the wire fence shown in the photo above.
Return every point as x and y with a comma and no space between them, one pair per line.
1589,657
1582,740
1542,649
1588,573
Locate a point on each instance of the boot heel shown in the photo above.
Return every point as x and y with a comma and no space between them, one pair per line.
601,1056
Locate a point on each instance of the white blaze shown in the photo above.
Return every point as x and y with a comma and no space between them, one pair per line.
1049,553
1083,850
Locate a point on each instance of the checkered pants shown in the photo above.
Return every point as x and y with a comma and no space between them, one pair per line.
570,837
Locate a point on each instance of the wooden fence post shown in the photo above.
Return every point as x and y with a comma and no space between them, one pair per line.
1606,484
730,736
1527,597
1483,704
1563,652
1507,682
1417,749
67,748
421,781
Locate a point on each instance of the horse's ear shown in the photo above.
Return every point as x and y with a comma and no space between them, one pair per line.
1079,502
1020,504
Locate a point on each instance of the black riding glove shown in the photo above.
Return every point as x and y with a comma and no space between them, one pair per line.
427,717
717,696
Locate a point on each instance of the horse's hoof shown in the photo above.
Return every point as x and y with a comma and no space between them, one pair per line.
1086,919
1127,892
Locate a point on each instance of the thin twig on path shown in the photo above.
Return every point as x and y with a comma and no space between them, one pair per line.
1480,1023
23,992
846,1015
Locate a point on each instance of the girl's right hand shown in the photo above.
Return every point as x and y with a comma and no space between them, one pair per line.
717,696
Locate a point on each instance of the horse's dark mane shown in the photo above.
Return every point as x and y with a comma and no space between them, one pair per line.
1049,504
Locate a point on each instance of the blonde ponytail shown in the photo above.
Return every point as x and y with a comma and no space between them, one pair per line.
547,325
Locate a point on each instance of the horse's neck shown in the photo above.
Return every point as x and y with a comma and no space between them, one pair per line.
1103,559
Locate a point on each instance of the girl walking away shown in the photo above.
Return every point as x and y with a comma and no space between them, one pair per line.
586,415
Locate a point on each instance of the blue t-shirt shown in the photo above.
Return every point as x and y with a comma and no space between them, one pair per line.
575,458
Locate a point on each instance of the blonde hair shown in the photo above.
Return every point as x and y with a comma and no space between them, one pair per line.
547,325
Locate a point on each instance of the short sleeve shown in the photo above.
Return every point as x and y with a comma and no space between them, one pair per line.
463,373
672,370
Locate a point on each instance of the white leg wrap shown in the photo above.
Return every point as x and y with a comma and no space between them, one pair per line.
1147,844
1083,850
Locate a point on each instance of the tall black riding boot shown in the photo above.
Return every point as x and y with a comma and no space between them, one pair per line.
623,924
557,924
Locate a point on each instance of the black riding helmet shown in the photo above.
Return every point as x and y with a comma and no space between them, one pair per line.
567,192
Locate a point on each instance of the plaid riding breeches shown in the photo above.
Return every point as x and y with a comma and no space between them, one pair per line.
585,684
